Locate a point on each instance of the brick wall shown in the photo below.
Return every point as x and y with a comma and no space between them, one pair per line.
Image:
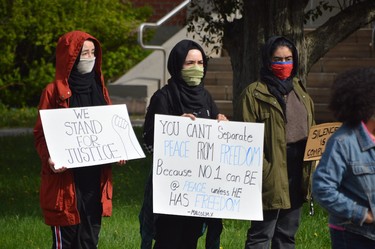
161,8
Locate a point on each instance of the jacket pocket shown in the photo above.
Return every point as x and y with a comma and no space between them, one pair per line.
108,189
268,177
106,179
363,169
55,193
264,116
365,174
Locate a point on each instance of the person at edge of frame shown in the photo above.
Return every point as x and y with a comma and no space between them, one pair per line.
344,181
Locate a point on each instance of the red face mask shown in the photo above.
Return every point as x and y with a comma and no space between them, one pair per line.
282,70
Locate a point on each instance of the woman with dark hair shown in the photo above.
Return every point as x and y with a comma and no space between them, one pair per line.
280,101
344,181
184,95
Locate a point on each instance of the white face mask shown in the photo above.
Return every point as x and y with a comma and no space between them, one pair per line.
86,65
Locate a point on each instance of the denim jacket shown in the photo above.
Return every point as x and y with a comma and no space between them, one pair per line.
344,181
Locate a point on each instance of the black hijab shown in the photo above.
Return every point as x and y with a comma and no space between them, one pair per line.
86,88
188,99
276,86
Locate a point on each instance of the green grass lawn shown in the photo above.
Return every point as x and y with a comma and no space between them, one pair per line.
21,223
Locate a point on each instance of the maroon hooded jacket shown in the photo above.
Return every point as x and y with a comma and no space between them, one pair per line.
57,191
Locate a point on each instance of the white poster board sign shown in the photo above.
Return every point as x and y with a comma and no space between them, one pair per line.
207,168
79,137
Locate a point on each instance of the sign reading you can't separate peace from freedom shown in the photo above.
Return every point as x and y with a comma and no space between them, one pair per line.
79,137
207,168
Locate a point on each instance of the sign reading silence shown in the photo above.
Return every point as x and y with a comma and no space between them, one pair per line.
79,137
318,137
206,168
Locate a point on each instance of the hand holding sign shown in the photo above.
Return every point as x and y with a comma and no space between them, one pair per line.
52,166
79,137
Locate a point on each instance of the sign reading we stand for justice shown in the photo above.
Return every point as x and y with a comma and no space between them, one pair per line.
80,137
207,168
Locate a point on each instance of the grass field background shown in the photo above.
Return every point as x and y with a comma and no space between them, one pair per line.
21,223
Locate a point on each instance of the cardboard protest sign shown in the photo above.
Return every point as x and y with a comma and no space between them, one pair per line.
207,168
317,140
79,137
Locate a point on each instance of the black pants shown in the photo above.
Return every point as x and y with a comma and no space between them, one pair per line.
348,240
85,235
177,232
278,228
79,236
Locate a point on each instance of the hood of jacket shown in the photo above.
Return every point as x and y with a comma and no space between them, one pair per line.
267,55
68,49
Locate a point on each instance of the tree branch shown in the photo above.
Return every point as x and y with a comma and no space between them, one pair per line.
336,29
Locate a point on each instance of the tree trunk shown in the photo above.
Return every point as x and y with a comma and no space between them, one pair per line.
243,38
262,19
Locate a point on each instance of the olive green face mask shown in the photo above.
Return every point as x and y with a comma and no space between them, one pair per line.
192,75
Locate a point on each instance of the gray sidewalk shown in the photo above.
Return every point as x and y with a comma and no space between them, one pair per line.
15,131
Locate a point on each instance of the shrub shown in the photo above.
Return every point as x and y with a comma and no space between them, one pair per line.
17,117
29,30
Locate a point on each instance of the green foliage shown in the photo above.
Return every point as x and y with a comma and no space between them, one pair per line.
17,117
29,30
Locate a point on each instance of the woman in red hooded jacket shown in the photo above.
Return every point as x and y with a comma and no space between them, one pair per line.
73,200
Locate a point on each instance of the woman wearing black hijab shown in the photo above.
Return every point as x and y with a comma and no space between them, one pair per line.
184,95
